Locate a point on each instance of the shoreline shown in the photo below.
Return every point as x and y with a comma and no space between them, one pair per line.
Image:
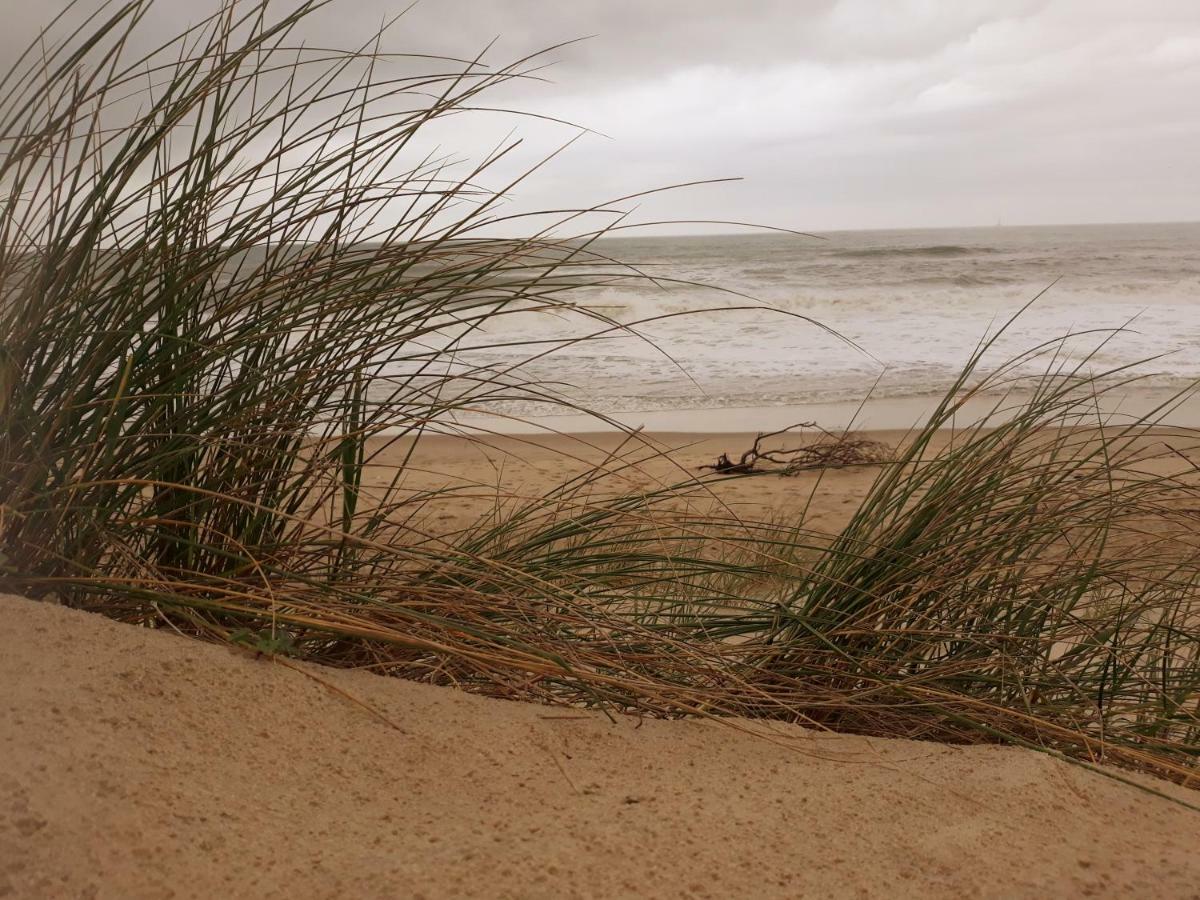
873,414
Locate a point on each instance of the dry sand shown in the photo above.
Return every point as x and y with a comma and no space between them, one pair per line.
528,467
139,764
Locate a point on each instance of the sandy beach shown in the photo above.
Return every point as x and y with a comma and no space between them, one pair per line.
141,765
511,469
610,450
527,467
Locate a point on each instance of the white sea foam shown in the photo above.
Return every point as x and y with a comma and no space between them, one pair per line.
914,304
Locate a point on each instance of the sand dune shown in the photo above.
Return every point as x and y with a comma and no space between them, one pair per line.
139,764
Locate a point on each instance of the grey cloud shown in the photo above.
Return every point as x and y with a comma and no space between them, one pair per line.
839,113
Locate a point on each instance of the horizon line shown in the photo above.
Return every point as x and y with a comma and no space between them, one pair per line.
769,230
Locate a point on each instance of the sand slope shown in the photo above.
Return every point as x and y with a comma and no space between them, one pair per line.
138,764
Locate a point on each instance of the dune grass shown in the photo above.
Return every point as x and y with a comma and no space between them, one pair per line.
230,277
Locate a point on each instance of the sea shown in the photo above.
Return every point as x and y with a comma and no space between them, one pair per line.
738,332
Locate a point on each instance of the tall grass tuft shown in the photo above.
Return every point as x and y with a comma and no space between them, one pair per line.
226,266
231,281
1037,578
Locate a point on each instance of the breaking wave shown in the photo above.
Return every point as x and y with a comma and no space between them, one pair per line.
935,250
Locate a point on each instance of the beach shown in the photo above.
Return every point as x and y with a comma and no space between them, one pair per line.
501,471
139,764
424,477
513,469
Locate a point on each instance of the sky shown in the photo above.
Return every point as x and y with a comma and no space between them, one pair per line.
835,114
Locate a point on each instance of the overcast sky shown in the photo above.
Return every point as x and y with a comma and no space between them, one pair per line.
839,113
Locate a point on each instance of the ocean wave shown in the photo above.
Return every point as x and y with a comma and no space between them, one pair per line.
934,250
916,303
768,273
964,279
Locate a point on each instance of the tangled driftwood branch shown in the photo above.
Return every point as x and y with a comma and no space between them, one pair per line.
831,451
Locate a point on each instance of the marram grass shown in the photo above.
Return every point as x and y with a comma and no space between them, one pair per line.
229,277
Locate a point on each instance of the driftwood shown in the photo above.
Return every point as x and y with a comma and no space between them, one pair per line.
831,451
